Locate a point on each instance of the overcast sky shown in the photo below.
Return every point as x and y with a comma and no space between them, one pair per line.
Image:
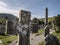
37,7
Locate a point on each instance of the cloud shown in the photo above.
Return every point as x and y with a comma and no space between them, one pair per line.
33,16
2,4
4,9
37,16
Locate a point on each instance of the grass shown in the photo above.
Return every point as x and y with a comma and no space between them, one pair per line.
42,43
7,39
57,35
40,31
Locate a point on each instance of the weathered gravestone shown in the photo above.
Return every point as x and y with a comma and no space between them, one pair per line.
49,39
35,28
24,34
46,30
10,27
46,23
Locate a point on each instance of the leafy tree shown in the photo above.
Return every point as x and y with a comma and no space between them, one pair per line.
41,22
35,20
56,22
49,23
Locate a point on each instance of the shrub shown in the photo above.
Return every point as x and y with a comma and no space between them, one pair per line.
9,41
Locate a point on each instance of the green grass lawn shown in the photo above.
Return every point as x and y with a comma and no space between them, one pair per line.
40,31
7,39
57,35
42,43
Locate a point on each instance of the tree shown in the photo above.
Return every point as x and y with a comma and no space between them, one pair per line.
41,22
35,20
56,22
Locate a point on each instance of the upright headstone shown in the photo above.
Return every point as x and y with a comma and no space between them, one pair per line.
24,19
46,16
34,27
11,27
6,26
46,23
46,30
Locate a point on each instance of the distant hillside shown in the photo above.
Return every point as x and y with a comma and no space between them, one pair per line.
49,19
42,19
10,16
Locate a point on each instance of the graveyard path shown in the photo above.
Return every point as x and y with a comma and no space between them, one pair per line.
37,39
14,42
34,40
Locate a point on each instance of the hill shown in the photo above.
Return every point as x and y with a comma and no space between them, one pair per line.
9,16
